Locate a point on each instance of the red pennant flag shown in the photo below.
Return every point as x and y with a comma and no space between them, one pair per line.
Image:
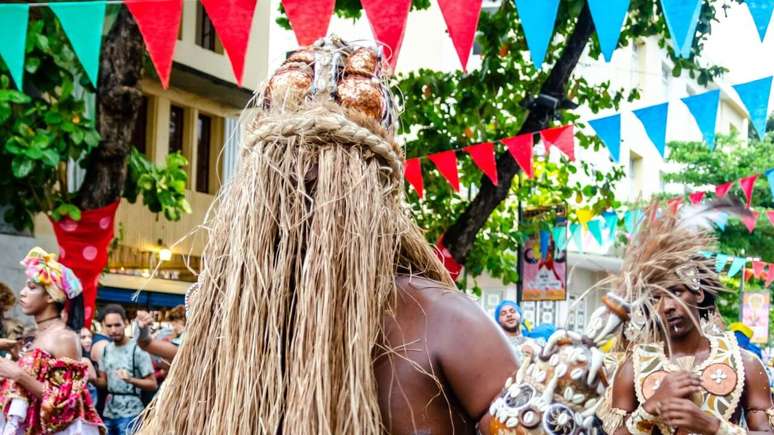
560,137
159,22
747,184
232,20
674,204
446,162
722,189
461,18
696,197
448,260
770,215
413,174
751,221
770,275
758,269
483,156
309,18
388,22
520,148
747,274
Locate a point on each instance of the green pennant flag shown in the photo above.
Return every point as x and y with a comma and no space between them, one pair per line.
83,23
13,34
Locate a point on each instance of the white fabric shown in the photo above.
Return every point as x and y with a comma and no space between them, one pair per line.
14,425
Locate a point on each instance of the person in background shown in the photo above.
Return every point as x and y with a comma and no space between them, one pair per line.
509,316
86,337
124,370
11,331
164,349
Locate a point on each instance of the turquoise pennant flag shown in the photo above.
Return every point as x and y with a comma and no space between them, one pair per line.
681,17
704,108
770,178
560,237
761,13
721,221
654,119
720,262
736,265
755,97
611,223
608,16
577,236
13,34
595,228
538,19
632,220
83,23
609,130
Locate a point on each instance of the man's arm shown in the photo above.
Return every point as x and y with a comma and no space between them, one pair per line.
147,383
756,398
624,397
145,369
473,353
159,348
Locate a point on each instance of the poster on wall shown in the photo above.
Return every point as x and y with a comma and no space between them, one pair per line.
755,314
543,265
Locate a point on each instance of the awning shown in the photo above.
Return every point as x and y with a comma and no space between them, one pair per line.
145,298
594,262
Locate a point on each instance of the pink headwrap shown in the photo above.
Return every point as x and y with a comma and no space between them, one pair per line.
59,281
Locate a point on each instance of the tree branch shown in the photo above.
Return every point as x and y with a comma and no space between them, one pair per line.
460,236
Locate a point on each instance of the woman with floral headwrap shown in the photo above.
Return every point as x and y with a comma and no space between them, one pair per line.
45,391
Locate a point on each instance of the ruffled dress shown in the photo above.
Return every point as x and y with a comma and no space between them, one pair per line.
65,408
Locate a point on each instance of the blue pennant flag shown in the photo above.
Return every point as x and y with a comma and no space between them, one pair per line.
654,119
560,237
770,178
736,266
13,33
721,221
538,19
545,239
704,108
577,237
706,254
595,228
761,14
681,17
755,97
720,262
608,16
611,223
609,130
632,220
83,22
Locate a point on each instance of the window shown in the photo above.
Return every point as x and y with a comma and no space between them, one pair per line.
176,127
203,139
205,31
140,132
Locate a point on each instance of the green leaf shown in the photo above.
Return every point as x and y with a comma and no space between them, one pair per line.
21,167
40,141
33,153
5,112
92,138
13,96
77,136
53,118
42,42
50,157
31,64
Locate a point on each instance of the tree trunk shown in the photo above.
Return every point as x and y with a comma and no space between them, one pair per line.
118,101
460,236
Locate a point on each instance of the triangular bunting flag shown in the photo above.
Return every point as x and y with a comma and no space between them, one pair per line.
461,18
721,220
747,274
83,22
755,97
770,216
159,22
309,18
654,119
611,223
13,33
720,262
538,19
595,228
748,184
577,237
584,215
545,239
751,221
413,174
609,17
232,20
446,162
520,148
761,14
770,179
632,220
609,130
560,237
758,268
770,275
674,204
562,138
736,266
696,197
704,108
483,156
722,189
681,17
388,22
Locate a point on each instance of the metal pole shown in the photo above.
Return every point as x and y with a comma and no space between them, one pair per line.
519,253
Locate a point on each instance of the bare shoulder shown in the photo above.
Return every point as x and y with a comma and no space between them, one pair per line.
753,366
64,343
439,300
